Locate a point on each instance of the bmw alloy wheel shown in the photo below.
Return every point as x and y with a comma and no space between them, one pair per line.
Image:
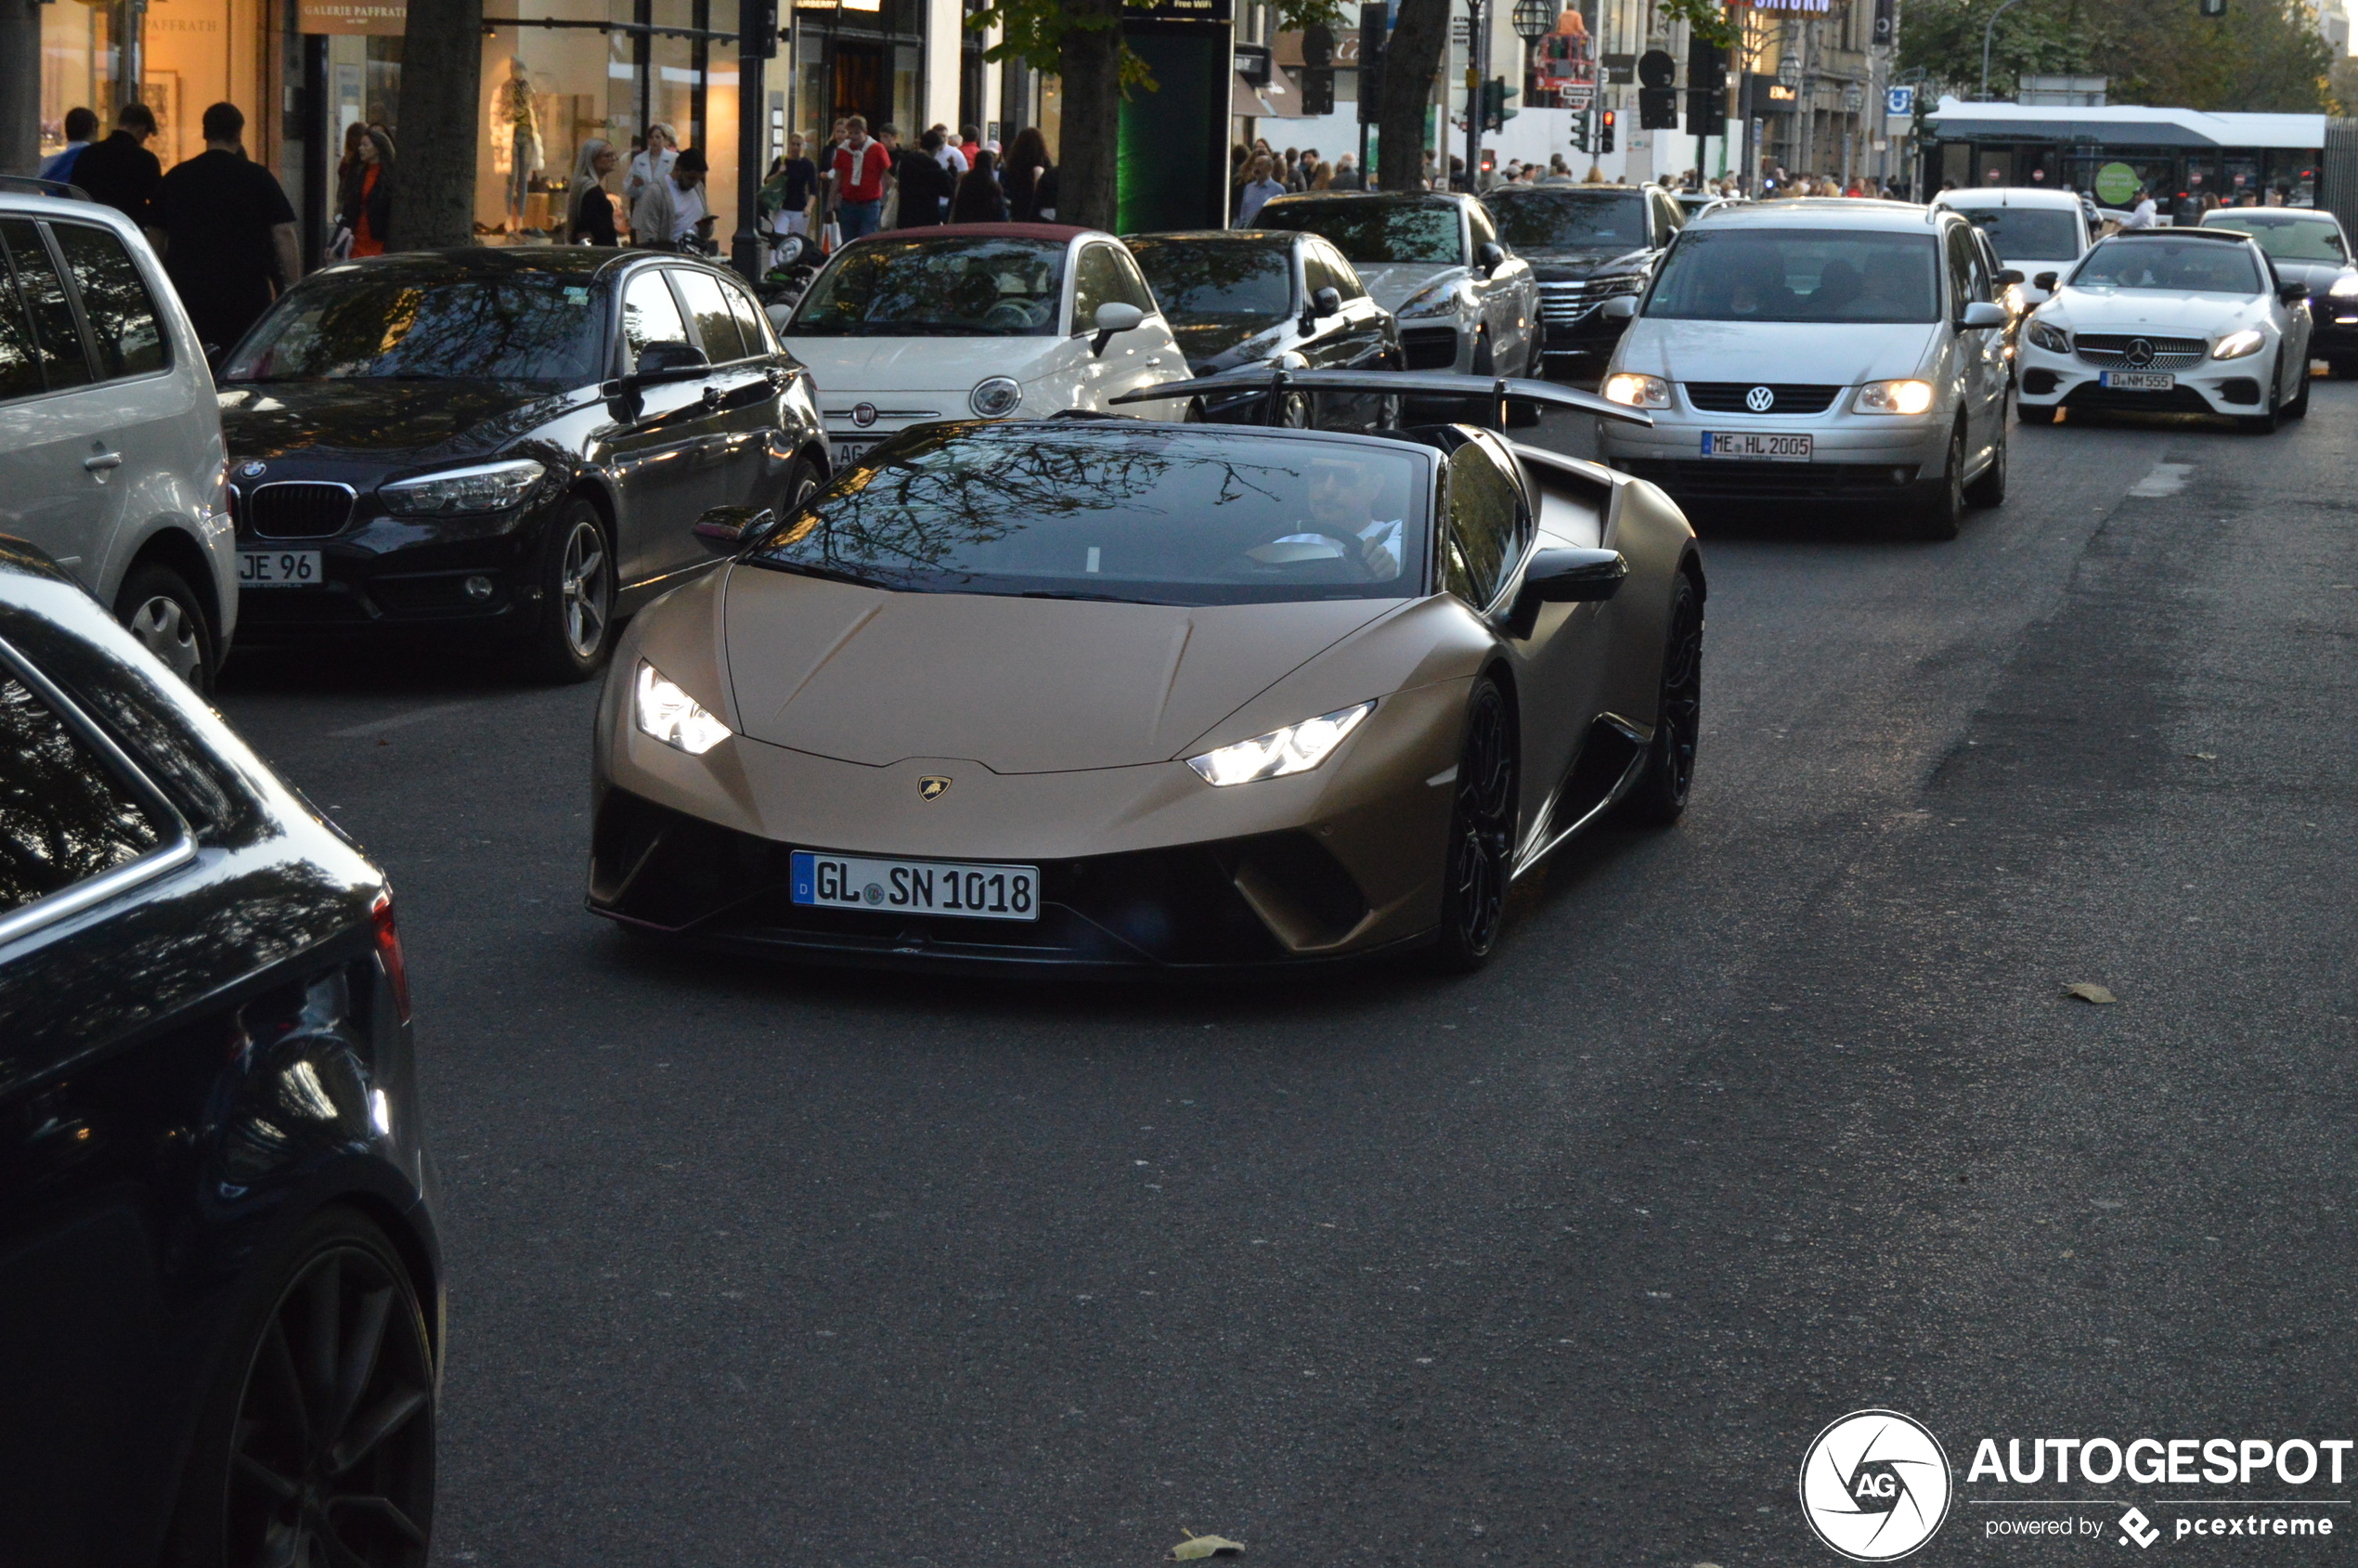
584,597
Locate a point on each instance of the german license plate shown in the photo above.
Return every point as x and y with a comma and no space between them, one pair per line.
977,892
1758,446
279,568
852,449
2136,381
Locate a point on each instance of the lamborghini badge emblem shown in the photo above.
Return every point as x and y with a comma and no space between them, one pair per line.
932,787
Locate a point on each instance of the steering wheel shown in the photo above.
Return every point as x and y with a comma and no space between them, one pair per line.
1009,314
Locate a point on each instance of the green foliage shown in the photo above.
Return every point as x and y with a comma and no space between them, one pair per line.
1704,18
2263,56
1034,30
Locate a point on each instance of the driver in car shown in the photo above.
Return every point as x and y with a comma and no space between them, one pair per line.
1344,520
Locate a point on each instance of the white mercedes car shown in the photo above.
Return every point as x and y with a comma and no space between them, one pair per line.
2170,320
977,321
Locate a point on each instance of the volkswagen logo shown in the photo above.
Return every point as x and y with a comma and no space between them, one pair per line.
2139,352
863,414
932,787
1760,399
252,470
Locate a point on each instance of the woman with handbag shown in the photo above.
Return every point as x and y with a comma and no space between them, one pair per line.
368,195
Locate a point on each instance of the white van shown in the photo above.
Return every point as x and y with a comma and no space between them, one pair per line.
2034,230
110,452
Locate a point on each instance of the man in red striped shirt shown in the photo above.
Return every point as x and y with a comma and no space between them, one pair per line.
861,165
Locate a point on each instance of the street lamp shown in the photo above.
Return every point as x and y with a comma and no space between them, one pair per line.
1534,19
1789,71
1987,35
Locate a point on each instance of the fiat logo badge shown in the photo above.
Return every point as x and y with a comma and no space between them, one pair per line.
252,470
932,787
863,414
1760,399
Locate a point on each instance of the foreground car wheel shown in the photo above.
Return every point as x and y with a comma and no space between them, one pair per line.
577,597
1941,507
1481,821
1991,488
1661,797
162,611
319,1440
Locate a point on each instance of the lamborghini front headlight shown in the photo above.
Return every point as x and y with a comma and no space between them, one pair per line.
667,713
1297,748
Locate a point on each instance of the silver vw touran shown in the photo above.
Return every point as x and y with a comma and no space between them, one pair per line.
1820,350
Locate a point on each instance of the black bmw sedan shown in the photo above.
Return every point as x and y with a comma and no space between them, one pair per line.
220,1288
505,442
1237,298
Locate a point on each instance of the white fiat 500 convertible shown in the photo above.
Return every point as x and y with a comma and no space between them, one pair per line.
2170,320
978,321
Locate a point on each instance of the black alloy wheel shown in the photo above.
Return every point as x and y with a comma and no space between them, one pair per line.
1482,829
801,482
576,596
1294,412
1661,796
159,608
1989,488
319,1444
1941,506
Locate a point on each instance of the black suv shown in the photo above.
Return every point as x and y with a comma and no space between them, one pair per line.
1586,243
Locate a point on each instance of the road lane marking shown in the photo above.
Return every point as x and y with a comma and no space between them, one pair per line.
2167,479
415,716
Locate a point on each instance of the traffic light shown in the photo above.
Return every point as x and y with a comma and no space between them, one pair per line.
1372,19
1495,111
1604,129
1580,132
1317,91
1657,109
2214,8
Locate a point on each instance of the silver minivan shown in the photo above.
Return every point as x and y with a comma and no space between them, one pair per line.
1819,350
110,453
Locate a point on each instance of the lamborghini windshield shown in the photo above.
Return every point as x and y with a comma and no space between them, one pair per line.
1140,512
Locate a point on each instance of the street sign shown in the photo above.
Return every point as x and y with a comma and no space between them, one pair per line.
1577,95
1656,68
1899,102
1622,69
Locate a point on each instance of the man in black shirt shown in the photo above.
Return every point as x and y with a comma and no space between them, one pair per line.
120,171
925,184
228,233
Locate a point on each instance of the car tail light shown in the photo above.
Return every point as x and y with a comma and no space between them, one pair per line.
389,951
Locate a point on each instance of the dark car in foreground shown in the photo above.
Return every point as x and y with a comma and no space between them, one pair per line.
220,1288
1585,244
1237,298
507,443
2307,246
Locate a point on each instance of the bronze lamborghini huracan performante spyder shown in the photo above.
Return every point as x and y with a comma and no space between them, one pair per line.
1099,693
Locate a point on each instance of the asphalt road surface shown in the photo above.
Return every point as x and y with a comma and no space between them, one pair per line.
1753,1123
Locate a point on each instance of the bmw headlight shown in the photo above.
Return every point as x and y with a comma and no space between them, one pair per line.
1439,299
1893,398
492,486
996,398
1635,391
2346,286
1297,748
672,715
2234,345
2052,338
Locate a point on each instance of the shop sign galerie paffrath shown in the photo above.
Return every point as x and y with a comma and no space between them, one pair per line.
375,19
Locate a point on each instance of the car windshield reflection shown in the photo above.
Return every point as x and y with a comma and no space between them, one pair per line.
948,287
1372,233
1199,279
2200,267
387,324
1569,220
1161,514
1798,275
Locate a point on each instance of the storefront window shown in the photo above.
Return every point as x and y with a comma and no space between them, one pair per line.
77,67
199,53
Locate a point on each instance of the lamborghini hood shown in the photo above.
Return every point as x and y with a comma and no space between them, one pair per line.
1019,685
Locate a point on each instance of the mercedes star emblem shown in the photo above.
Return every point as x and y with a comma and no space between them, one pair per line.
1760,399
2139,352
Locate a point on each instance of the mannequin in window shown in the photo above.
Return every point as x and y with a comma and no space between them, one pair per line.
515,112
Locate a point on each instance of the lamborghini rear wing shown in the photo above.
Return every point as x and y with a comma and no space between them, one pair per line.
1498,391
